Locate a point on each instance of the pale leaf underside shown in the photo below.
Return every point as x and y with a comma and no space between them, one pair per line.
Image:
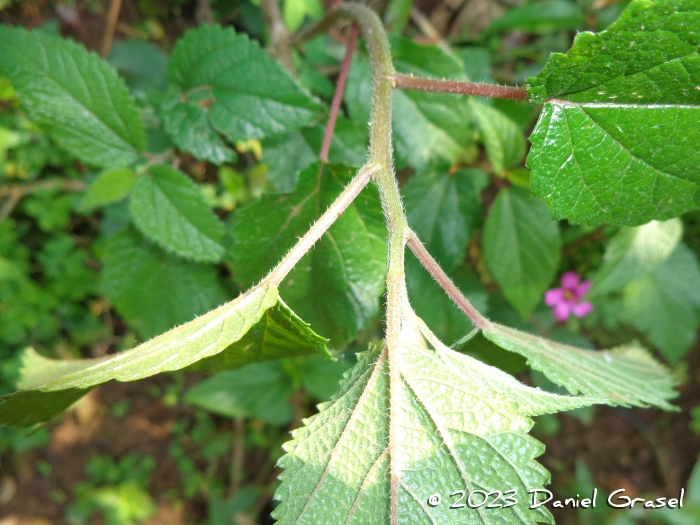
626,376
459,425
50,387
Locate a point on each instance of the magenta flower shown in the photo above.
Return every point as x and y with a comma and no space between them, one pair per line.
567,299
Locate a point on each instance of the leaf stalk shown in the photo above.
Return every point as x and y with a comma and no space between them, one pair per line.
454,293
457,87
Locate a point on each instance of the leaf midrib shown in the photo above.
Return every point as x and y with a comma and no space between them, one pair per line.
164,344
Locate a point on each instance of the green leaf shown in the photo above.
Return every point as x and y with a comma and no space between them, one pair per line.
189,128
634,253
666,304
397,15
477,346
444,209
229,85
279,333
259,390
321,377
287,155
427,126
521,247
541,17
502,138
200,338
141,63
425,60
477,63
337,285
154,291
255,326
625,376
447,413
616,141
108,187
436,308
168,207
75,95
50,208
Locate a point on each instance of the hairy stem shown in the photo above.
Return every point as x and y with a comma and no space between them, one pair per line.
325,221
338,95
457,87
430,264
380,154
380,169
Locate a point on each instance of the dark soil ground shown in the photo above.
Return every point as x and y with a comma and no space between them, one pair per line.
91,430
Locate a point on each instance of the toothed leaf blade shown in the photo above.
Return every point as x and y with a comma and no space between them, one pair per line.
616,142
444,209
470,427
501,136
521,247
626,376
666,304
176,349
152,290
229,86
75,95
168,208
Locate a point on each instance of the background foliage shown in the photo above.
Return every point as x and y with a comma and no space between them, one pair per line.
205,133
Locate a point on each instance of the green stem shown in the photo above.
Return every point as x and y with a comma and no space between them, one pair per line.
380,160
380,154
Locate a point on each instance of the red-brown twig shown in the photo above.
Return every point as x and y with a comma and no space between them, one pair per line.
430,264
338,95
457,87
